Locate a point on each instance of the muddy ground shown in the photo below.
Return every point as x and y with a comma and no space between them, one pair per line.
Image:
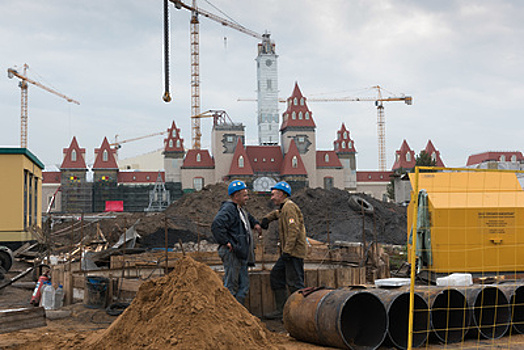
327,213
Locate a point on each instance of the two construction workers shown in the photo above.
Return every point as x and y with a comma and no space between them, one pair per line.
233,230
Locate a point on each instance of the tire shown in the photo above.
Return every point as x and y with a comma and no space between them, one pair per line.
6,258
116,309
360,205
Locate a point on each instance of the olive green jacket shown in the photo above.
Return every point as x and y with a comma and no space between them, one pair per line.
291,229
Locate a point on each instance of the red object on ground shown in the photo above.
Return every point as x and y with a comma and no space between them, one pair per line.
37,293
115,206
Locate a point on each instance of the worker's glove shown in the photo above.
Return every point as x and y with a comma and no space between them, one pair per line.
264,224
286,256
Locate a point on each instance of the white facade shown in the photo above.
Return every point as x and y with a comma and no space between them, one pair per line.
267,93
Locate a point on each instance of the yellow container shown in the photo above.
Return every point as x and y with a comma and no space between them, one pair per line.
476,221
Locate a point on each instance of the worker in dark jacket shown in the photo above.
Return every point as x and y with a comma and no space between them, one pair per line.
232,229
288,272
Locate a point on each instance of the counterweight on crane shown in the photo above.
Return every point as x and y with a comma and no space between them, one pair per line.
24,87
195,59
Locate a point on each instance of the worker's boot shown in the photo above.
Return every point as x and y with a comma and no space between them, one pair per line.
280,300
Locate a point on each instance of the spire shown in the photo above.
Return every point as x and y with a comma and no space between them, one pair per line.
240,164
105,157
434,154
297,113
404,157
293,164
74,156
344,143
173,142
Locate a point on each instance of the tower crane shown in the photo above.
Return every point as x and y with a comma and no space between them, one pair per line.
381,121
11,72
195,59
118,144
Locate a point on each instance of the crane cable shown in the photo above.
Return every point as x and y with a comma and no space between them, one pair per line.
167,96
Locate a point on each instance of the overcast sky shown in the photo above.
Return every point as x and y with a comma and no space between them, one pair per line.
461,61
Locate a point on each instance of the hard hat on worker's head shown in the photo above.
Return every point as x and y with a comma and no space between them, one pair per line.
282,186
235,186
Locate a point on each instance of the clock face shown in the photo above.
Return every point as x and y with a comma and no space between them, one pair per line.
269,63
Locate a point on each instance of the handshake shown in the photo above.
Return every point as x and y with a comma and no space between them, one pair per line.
264,223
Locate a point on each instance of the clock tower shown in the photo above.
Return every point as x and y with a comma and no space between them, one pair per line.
267,92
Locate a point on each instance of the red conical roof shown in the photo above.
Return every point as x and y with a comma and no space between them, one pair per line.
344,143
293,164
297,113
173,142
74,156
105,157
240,164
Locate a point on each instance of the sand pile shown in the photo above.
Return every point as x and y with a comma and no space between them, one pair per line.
187,309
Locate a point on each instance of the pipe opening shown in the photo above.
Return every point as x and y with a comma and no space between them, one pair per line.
450,316
363,321
491,313
398,315
517,304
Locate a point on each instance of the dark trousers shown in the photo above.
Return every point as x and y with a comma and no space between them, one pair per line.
288,273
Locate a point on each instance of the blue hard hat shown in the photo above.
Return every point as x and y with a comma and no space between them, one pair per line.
235,186
283,186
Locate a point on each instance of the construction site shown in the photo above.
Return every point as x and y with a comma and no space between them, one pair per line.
120,253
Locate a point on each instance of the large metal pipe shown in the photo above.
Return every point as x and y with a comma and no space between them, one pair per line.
449,312
300,315
397,306
515,294
361,321
344,318
491,312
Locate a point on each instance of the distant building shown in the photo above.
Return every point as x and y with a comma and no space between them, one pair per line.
21,189
513,160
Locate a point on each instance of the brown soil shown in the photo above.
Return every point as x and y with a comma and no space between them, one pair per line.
328,217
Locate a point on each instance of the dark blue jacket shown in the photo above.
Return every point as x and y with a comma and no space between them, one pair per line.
228,227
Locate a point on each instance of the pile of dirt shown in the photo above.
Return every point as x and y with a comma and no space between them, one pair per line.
327,213
187,309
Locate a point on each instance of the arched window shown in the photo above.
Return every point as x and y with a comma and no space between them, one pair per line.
300,115
408,157
350,144
294,162
345,135
302,101
307,115
397,157
293,116
241,161
170,143
73,155
326,158
434,156
198,157
295,101
105,156
173,133
502,158
177,143
513,158
343,144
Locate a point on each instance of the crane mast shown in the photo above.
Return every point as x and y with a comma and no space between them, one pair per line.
195,59
11,72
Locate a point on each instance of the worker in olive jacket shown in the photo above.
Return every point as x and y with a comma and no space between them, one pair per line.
288,272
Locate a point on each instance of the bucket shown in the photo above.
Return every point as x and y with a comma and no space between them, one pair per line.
95,295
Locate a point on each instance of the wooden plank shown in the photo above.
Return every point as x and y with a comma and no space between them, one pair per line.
268,299
130,285
345,276
16,319
255,294
326,277
311,278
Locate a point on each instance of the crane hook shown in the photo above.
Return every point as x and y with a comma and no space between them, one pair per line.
166,97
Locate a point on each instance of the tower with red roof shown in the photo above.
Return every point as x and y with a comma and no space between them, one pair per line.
404,158
345,149
105,168
73,168
298,126
173,154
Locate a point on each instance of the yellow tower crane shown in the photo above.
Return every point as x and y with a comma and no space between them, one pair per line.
195,59
11,72
381,120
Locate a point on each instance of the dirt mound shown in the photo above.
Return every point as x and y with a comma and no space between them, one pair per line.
187,309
